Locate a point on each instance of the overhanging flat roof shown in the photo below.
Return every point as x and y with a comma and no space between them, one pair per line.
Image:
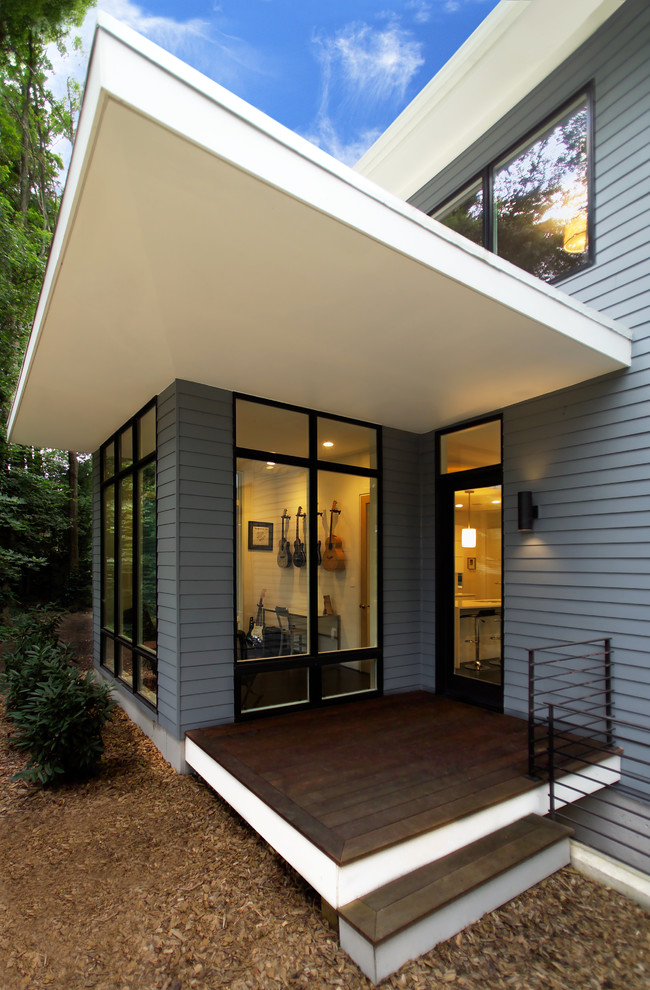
513,50
199,239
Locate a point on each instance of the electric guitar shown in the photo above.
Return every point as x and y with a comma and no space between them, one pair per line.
298,547
284,549
333,557
257,632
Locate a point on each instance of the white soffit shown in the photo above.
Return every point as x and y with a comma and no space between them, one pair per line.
198,239
513,50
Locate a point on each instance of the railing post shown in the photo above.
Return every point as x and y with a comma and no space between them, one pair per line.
551,763
531,712
608,691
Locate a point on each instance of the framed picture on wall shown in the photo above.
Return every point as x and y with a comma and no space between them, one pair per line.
260,536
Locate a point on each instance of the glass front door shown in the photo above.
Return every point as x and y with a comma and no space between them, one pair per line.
476,580
469,627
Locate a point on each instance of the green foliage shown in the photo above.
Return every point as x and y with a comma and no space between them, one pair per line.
58,712
60,725
35,495
29,628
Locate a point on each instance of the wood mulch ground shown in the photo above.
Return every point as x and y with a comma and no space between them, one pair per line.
142,879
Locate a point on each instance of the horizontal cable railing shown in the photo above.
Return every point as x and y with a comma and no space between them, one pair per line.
577,674
593,745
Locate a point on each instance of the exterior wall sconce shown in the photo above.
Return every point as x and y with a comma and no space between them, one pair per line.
526,511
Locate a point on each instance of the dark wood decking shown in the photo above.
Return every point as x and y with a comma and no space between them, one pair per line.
360,777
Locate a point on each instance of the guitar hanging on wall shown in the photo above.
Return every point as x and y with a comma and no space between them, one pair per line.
333,556
284,549
298,547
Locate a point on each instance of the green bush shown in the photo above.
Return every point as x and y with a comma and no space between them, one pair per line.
28,666
60,725
29,628
58,712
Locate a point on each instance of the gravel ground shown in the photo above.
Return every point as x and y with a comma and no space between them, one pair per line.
142,879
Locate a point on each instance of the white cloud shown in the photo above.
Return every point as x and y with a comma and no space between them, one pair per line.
421,11
326,136
364,70
372,64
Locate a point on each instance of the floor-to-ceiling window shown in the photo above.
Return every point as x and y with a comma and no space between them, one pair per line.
307,497
128,555
470,606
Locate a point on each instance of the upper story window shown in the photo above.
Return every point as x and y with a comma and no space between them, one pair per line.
533,205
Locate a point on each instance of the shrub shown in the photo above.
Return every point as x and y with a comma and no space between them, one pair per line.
29,628
58,712
60,725
27,667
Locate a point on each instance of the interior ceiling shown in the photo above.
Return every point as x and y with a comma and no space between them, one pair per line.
179,264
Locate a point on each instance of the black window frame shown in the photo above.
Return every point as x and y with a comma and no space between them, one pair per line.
462,689
486,179
314,660
132,470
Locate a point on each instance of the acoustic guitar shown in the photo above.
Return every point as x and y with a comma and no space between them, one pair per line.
284,548
333,556
298,547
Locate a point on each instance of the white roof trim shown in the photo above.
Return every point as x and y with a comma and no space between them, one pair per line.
195,234
514,49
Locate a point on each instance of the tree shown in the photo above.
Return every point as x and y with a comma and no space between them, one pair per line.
34,484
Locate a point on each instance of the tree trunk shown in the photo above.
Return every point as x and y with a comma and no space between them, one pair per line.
73,481
25,135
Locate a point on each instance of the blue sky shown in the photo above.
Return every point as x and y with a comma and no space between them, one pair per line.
335,71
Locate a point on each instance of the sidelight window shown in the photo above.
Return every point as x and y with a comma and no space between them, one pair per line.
128,555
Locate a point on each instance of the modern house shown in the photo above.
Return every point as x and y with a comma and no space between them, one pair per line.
359,433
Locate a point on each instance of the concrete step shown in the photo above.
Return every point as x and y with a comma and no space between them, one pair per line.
409,916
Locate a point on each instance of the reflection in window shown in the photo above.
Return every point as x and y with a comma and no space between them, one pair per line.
541,200
128,564
465,213
126,557
541,192
108,558
147,556
261,690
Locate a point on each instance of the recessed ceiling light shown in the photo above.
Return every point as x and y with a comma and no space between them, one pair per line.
496,501
459,505
270,464
327,443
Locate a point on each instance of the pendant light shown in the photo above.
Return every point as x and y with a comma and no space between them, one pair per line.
468,535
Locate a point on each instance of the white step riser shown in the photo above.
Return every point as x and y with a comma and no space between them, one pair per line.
380,961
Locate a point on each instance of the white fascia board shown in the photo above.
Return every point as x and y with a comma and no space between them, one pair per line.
215,119
511,52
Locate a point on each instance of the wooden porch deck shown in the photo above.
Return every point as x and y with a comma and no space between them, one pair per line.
359,778
411,815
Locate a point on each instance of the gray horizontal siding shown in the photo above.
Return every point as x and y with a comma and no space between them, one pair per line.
585,452
401,556
195,557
